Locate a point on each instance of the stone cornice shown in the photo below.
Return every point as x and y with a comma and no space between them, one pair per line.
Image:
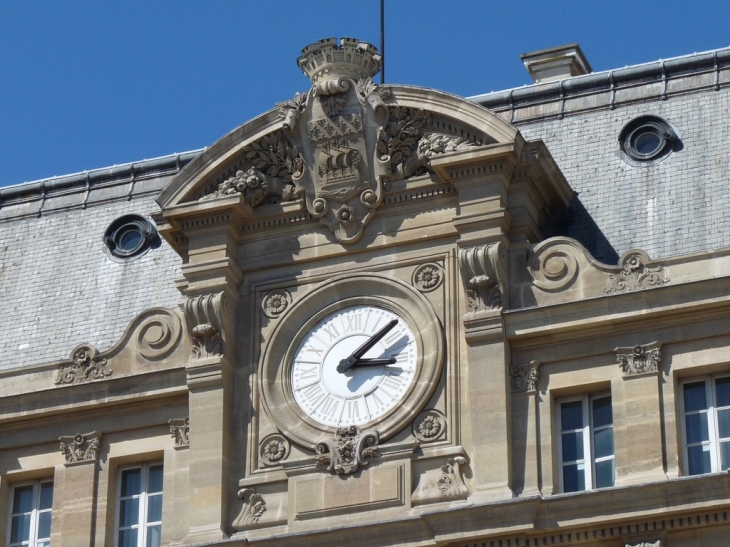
564,519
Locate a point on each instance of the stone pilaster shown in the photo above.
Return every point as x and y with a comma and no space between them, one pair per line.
525,439
210,282
638,415
74,487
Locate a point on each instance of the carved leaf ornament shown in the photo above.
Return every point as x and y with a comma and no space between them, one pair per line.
84,366
347,450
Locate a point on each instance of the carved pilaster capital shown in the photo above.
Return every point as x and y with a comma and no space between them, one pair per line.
639,359
484,273
82,447
180,430
253,507
348,449
524,378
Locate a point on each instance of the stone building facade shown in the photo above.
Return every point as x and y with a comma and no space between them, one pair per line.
384,315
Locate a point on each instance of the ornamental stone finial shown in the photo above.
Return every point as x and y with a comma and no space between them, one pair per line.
328,60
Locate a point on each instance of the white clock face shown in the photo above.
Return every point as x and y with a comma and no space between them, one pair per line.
366,390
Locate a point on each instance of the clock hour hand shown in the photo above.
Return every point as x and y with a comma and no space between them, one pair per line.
356,355
364,362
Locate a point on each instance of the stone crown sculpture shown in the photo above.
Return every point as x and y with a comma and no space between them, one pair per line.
350,58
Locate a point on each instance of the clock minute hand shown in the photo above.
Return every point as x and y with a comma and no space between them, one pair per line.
362,350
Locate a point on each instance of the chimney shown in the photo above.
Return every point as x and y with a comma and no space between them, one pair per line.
556,63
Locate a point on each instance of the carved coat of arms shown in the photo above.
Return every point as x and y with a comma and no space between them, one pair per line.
336,127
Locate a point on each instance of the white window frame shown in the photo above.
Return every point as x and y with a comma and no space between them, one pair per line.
713,442
588,448
35,513
142,523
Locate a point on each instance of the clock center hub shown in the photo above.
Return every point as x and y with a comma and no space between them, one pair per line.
356,380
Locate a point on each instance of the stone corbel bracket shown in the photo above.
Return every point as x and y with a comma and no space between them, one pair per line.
180,431
80,448
484,273
639,360
451,484
205,316
347,450
253,507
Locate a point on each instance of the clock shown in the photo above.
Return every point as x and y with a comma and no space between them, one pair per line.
383,356
358,349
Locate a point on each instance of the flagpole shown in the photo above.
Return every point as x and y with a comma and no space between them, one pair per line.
382,40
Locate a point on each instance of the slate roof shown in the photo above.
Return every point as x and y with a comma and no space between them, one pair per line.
59,288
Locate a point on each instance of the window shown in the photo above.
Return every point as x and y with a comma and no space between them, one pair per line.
130,236
706,410
647,138
139,514
586,443
30,515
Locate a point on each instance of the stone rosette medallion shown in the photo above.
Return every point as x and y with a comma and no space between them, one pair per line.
274,449
429,426
275,303
427,277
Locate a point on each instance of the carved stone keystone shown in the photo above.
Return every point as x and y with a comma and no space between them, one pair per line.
348,449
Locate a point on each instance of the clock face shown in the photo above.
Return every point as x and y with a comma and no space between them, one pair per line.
365,391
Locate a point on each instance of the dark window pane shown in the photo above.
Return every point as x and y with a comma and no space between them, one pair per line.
44,524
722,390
723,423
20,528
699,459
603,442
23,499
153,536
154,508
694,397
647,142
129,512
696,425
724,456
573,478
46,495
131,482
604,474
571,415
572,446
128,538
602,412
155,478
43,544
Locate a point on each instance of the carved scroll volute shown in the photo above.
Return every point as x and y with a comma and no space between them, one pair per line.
208,317
484,273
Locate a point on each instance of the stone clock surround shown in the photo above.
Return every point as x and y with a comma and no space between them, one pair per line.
339,293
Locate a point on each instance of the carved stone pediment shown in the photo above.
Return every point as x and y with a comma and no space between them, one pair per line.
333,148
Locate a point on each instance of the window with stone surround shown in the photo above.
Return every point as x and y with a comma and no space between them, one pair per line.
706,432
585,448
139,506
30,514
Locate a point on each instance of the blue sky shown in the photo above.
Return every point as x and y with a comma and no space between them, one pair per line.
88,84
